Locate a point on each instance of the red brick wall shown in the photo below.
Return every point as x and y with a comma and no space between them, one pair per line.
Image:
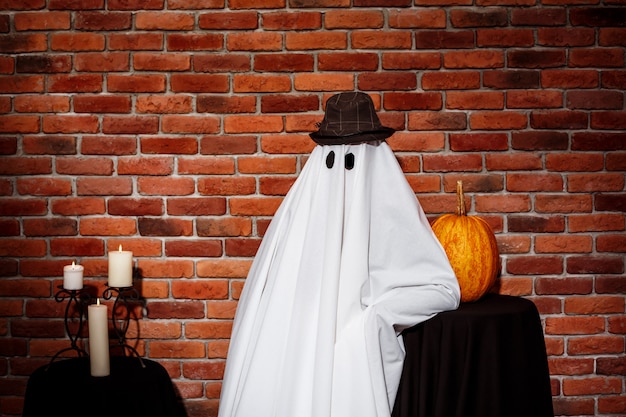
175,128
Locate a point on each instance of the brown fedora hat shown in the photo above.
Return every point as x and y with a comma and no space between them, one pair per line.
350,118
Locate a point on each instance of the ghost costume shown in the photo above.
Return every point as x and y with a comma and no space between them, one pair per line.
348,261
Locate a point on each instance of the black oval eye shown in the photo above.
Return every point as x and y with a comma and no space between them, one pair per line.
349,161
330,159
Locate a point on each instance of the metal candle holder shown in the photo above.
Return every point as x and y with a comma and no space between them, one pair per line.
78,298
120,314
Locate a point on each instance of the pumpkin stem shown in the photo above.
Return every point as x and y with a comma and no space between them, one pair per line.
460,207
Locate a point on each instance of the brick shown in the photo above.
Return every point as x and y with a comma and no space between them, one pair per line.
164,21
206,165
10,227
224,227
201,290
473,59
324,82
616,161
70,124
21,43
539,140
255,41
227,186
227,145
506,38
544,16
253,124
479,18
512,79
611,243
397,60
512,162
177,349
135,41
322,40
451,80
176,310
50,20
206,370
43,64
90,186
220,104
536,265
595,222
598,141
223,268
567,37
564,286
617,325
595,100
473,142
286,144
75,83
283,62
608,120
353,19
75,42
26,165
539,58
504,120
169,145
594,345
49,145
588,162
19,124
44,186
594,182
41,104
292,21
596,57
595,264
598,16
417,19
221,309
442,39
108,145
121,206
189,124
368,39
193,248
528,182
171,268
21,84
534,99
204,206
102,226
130,124
140,83
437,121
163,104
102,104
587,386
102,62
502,204
611,37
199,83
557,203
535,224
165,186
288,103
254,207
263,4
164,227
195,42
563,244
462,100
79,246
222,63
229,20
154,330
103,21
559,119
78,206
135,4
50,227
412,101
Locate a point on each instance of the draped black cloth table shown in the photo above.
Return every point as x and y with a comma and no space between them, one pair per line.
486,359
66,388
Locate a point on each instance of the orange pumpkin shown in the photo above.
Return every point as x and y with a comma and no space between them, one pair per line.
471,247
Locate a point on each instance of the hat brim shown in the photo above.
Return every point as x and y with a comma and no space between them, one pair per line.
375,135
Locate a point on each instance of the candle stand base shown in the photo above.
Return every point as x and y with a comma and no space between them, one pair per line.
79,299
125,298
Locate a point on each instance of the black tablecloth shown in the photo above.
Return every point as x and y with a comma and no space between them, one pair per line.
66,388
486,359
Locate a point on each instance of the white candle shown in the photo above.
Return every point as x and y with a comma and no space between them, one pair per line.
98,340
120,268
73,276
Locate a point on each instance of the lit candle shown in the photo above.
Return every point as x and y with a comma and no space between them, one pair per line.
120,268
73,276
98,339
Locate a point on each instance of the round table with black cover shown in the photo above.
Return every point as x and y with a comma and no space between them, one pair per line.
485,359
66,388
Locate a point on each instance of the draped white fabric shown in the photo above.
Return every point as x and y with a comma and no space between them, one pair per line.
348,262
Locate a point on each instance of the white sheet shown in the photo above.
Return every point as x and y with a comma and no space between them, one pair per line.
348,262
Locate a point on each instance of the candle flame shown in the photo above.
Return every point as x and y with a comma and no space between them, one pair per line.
73,264
120,249
98,301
